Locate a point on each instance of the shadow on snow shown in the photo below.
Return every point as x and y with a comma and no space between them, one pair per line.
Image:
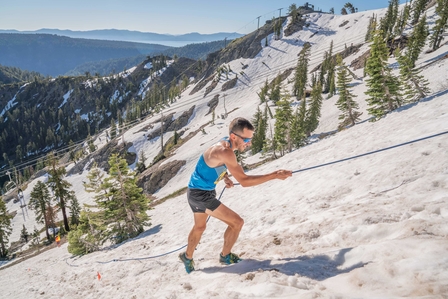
318,267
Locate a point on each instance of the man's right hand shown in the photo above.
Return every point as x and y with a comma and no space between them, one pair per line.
282,174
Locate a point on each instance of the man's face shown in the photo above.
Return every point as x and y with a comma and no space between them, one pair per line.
243,140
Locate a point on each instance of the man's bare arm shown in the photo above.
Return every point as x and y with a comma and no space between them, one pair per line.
229,158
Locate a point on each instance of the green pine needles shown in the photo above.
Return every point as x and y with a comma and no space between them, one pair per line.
119,213
5,228
383,87
346,103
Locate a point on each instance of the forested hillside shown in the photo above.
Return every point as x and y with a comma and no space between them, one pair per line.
47,113
105,67
13,74
56,55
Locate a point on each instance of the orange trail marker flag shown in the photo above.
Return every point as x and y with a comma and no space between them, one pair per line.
99,275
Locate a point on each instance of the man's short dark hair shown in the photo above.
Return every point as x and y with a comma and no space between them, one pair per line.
239,124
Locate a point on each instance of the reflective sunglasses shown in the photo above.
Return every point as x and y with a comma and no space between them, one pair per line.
245,140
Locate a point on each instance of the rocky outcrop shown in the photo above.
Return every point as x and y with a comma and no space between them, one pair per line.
210,88
170,124
229,84
360,61
352,49
101,157
213,103
157,176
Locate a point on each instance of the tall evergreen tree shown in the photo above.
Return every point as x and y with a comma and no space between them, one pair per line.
414,86
387,23
88,235
383,86
260,125
346,104
441,24
301,75
327,68
264,92
402,20
350,7
124,204
313,113
40,199
75,210
5,228
298,128
274,95
371,28
418,8
60,187
24,234
283,116
417,40
269,144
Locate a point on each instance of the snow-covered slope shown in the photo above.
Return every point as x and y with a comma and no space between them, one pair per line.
371,227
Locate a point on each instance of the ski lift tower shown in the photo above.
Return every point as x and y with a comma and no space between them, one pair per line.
10,186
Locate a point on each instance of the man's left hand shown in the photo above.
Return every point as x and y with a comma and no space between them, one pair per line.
229,183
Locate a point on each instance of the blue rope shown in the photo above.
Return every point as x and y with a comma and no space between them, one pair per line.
300,170
370,153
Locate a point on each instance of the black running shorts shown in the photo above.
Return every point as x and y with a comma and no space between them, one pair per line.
200,200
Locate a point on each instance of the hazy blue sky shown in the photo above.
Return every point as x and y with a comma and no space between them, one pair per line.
161,16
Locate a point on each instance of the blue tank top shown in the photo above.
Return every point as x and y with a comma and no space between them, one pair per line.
205,177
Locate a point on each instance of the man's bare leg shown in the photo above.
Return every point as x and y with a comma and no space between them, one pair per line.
234,222
200,220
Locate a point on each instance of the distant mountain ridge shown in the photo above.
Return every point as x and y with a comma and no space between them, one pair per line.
55,55
132,36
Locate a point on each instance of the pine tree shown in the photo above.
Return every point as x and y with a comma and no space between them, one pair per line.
313,113
72,155
346,103
387,23
283,116
331,80
259,137
275,94
88,236
5,228
327,68
301,75
124,204
75,210
418,8
402,20
264,92
417,40
383,87
414,86
441,24
60,188
39,201
142,159
350,7
298,128
269,144
113,129
36,236
24,234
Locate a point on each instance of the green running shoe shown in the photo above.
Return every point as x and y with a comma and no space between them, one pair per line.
189,264
231,258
